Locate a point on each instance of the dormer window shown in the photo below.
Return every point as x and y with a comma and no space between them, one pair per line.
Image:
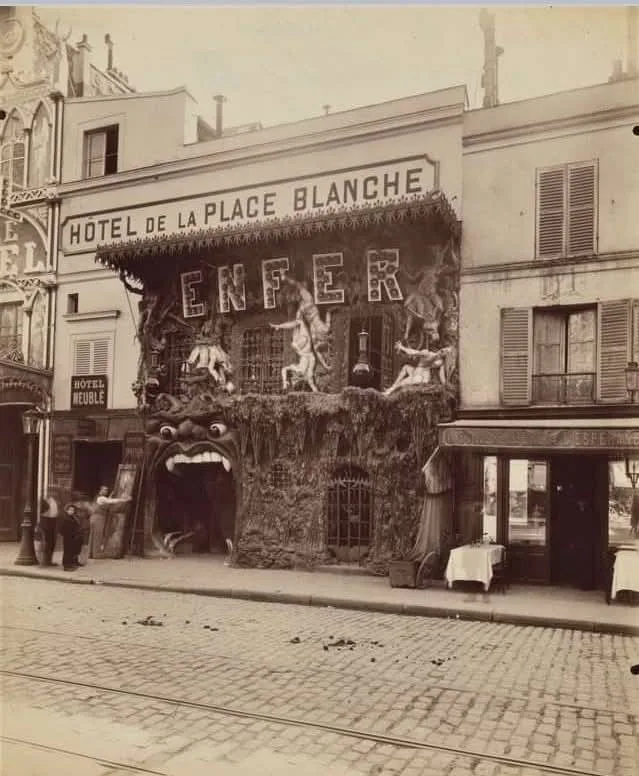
101,152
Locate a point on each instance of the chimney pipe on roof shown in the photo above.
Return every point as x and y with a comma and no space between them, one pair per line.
220,99
109,42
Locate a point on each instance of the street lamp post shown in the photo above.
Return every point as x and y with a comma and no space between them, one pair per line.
26,554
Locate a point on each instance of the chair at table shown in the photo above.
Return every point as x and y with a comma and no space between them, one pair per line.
500,573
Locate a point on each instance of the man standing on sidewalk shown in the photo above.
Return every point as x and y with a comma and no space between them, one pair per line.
49,513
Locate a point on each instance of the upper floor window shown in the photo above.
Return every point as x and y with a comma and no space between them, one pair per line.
11,315
92,355
567,210
262,360
380,354
12,152
564,356
568,355
101,152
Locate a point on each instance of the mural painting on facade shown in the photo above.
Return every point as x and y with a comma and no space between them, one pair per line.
258,435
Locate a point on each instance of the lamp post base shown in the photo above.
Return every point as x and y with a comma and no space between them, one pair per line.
26,553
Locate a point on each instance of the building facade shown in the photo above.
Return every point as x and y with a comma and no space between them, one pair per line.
549,321
286,310
39,68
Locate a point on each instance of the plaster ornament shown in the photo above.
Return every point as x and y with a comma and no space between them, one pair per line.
304,370
308,312
208,359
420,373
12,36
423,306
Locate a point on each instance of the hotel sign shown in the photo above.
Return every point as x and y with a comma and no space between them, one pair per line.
89,392
384,183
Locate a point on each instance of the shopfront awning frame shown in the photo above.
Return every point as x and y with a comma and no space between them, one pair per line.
612,436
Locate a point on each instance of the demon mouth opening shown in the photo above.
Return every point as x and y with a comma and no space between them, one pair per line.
195,467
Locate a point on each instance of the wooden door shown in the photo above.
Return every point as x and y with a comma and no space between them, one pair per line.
8,506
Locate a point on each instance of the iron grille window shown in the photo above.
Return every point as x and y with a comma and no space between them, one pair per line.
262,359
11,315
178,348
101,152
380,348
279,476
349,513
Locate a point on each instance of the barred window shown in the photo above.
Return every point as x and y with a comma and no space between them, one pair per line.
178,348
349,513
279,476
262,359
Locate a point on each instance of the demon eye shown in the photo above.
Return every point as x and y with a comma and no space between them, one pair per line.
168,432
217,429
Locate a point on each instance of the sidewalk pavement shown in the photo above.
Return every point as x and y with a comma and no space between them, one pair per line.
207,575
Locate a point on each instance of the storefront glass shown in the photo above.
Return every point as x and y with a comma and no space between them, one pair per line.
527,501
489,507
623,509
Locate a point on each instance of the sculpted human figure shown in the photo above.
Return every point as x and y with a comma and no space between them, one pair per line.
420,373
207,355
423,305
308,312
303,346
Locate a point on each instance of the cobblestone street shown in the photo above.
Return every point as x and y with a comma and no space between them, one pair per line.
179,684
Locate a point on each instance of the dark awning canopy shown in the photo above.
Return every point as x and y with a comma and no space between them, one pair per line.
132,257
597,435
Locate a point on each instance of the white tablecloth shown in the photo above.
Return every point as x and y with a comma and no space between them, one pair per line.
626,572
474,563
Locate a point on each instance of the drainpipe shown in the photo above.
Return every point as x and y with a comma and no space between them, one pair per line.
220,99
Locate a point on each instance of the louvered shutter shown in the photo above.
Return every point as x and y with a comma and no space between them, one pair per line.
515,355
581,208
550,212
614,349
100,357
82,357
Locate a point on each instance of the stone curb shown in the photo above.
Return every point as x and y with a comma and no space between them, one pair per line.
386,607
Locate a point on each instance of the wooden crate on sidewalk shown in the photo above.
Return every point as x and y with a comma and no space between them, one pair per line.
402,573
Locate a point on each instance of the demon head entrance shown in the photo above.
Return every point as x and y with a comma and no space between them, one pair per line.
195,466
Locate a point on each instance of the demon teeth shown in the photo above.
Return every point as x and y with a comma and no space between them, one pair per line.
215,457
226,464
205,457
170,464
198,458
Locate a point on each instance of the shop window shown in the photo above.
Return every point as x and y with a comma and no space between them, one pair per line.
101,152
11,317
349,513
380,350
92,356
489,506
567,210
528,503
262,359
564,356
623,505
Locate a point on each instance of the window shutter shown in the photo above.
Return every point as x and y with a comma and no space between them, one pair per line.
581,209
515,355
550,212
613,350
82,357
100,357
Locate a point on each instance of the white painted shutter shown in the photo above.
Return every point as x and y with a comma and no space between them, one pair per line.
551,204
82,357
614,349
516,348
91,357
581,208
101,357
